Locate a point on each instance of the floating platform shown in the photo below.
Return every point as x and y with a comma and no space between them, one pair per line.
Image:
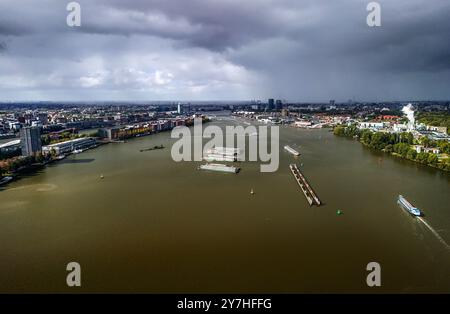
220,168
309,193
218,157
228,154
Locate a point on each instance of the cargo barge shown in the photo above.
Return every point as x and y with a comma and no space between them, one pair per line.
223,154
219,167
291,150
307,190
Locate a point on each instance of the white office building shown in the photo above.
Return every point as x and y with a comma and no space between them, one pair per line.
69,146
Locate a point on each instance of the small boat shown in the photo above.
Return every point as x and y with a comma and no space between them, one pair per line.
252,192
152,148
102,176
5,180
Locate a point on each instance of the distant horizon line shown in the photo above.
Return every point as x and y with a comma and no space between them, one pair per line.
174,102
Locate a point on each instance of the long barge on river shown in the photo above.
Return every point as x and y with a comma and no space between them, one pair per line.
291,150
219,167
307,190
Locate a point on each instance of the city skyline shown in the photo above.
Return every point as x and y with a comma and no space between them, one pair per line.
155,50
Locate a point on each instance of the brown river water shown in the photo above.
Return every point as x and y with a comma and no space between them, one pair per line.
154,225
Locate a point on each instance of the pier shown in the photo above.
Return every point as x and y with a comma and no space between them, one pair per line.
309,193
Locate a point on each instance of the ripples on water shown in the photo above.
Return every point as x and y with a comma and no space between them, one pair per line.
46,187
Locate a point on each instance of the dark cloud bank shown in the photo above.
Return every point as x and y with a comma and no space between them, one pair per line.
224,49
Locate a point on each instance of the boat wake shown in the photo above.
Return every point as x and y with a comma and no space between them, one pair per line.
434,232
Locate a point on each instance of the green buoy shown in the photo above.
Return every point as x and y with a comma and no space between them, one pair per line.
339,212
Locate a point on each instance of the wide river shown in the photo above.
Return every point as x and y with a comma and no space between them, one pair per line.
154,225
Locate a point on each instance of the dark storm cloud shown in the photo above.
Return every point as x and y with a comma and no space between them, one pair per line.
214,25
12,28
3,46
295,49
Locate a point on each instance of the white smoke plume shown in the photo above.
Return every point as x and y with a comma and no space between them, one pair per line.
409,112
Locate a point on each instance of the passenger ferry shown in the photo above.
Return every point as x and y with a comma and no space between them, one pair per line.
407,205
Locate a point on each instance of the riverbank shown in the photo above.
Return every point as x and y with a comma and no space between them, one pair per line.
30,164
400,145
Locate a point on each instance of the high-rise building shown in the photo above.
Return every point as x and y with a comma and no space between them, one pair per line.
180,109
278,104
271,104
30,138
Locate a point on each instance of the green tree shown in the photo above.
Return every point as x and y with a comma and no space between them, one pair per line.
425,141
422,157
339,130
366,137
432,159
411,154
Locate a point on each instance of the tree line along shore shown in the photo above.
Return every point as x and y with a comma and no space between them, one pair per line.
402,145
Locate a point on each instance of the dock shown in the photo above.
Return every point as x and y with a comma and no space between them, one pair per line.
309,193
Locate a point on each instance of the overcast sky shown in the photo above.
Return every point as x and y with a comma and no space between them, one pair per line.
298,50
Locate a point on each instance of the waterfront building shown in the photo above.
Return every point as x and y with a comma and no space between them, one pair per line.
435,136
421,148
121,133
10,146
398,127
30,138
371,125
302,124
71,145
439,129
